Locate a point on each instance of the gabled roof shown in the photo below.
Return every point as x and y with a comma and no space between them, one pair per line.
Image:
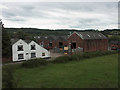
42,38
13,41
61,38
91,35
50,38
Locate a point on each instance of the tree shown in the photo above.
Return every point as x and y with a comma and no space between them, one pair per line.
6,44
21,34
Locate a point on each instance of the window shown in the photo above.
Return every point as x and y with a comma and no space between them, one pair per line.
73,45
43,54
20,56
33,55
60,44
50,44
32,47
20,47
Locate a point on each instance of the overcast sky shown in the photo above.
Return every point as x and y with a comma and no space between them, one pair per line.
64,15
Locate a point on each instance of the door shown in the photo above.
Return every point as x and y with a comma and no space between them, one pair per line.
73,45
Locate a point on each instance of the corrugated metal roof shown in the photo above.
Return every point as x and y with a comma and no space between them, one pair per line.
91,35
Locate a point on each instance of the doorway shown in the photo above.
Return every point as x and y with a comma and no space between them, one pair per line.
73,45
60,44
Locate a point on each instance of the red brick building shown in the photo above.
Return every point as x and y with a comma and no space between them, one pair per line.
88,41
53,42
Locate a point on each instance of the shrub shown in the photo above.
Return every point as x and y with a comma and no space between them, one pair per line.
87,55
76,57
34,63
61,59
8,80
97,53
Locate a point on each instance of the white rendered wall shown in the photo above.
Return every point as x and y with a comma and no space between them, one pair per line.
39,50
15,52
27,49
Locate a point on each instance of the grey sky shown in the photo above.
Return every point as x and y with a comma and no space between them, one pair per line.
68,15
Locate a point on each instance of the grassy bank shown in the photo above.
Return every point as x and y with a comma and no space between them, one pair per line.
100,72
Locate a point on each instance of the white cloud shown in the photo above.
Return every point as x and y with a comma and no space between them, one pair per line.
60,15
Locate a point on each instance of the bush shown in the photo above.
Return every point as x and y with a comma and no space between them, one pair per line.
76,57
61,59
34,63
97,53
8,80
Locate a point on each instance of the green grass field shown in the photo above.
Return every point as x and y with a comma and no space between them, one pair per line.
99,72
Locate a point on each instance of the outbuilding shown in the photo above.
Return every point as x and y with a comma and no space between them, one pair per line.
88,41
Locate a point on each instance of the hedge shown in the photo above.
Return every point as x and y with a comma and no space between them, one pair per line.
34,63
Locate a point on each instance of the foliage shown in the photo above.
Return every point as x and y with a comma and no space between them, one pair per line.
97,53
76,57
81,56
6,45
61,59
21,34
8,80
114,38
34,63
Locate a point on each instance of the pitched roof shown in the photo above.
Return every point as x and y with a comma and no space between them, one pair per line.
61,38
50,38
42,38
13,41
91,35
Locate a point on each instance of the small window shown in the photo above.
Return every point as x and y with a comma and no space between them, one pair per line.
20,56
43,54
33,55
32,47
60,44
20,47
50,44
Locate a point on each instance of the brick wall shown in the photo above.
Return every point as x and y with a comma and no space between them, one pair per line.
89,45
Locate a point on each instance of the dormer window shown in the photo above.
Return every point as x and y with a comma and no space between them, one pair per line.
20,47
32,47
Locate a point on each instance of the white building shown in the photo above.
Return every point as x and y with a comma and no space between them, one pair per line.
24,50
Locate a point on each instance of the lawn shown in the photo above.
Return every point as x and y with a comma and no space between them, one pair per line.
99,72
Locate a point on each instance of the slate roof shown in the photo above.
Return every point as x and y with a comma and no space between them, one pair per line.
51,38
13,41
61,38
42,38
91,35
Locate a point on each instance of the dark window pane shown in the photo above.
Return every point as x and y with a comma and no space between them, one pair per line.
20,56
43,54
20,48
32,47
33,55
